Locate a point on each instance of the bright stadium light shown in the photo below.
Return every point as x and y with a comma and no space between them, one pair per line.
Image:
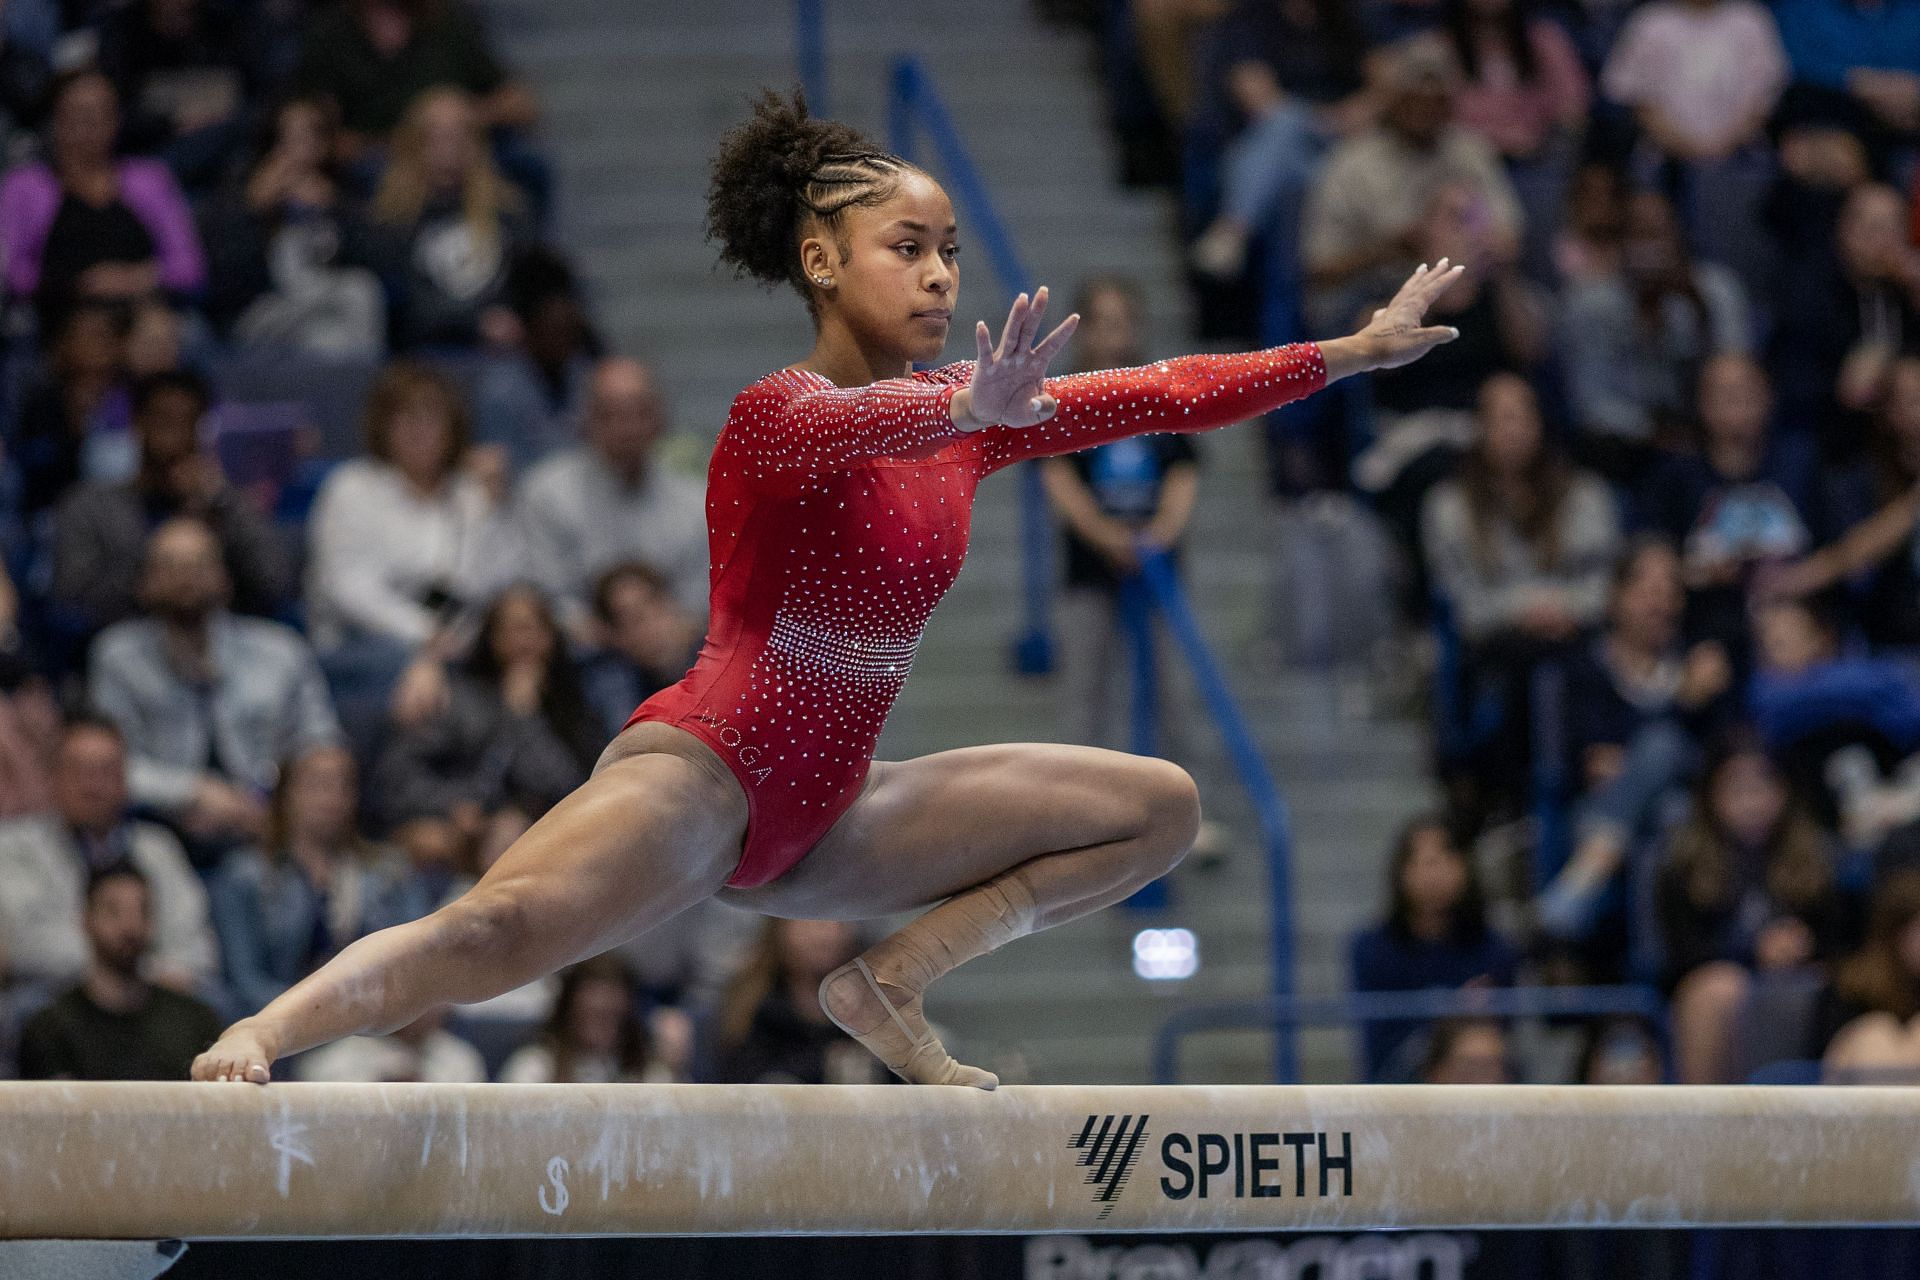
1165,954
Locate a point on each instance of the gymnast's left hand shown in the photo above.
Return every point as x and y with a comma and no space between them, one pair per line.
1009,380
1396,335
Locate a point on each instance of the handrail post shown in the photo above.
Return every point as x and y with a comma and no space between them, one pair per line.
810,52
902,86
1156,569
1134,604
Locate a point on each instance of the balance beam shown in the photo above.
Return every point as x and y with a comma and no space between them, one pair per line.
210,1161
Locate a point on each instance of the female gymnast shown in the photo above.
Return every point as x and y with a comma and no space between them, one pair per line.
838,504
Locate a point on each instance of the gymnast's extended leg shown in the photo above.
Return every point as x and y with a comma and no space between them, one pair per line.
650,834
1007,840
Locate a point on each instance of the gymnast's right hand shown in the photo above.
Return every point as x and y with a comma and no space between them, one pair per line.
241,1053
1008,387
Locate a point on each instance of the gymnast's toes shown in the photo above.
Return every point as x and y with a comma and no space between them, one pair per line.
236,1056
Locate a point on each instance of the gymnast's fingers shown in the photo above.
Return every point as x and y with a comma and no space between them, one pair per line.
1035,314
1010,336
1050,346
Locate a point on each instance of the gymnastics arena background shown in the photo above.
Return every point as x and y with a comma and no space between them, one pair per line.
1553,700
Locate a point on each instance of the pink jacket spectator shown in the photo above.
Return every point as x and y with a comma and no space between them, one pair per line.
1517,117
30,198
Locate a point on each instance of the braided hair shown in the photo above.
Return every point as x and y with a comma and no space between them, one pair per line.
780,168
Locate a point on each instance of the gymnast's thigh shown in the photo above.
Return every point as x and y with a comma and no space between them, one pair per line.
651,833
923,830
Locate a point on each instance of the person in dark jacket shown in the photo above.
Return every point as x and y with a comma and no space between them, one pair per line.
1749,887
115,1025
770,1027
1435,934
515,736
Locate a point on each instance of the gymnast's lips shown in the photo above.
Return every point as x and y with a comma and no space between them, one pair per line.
935,314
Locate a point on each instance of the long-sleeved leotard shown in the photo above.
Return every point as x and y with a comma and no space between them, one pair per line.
837,519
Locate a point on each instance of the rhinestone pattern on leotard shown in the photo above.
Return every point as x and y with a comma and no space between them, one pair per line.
838,518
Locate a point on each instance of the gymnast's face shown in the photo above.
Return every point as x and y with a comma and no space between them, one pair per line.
898,282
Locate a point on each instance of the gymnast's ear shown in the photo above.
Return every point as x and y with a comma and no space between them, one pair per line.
817,260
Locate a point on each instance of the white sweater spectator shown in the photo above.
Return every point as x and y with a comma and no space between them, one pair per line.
380,549
43,886
589,508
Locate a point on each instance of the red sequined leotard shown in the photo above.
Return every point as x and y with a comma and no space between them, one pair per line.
837,519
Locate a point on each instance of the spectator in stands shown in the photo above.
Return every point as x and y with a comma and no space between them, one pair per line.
1524,90
1363,215
1747,888
1748,501
1634,341
1502,320
1621,1051
101,529
648,641
186,70
1846,317
1590,226
115,1024
516,735
1858,61
156,338
406,543
532,400
1468,1051
1294,75
87,224
770,1027
1810,697
45,861
313,884
291,251
72,423
374,58
447,226
610,499
422,1052
1702,77
1869,1017
1878,549
1111,500
1640,702
1435,936
210,704
29,716
595,1034
1518,544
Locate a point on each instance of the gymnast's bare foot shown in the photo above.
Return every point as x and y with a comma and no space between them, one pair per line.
245,1052
892,1028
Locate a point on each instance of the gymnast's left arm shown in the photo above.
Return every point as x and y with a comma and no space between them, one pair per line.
1201,392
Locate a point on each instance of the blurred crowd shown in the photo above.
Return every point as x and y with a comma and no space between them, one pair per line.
334,544
1652,524
334,547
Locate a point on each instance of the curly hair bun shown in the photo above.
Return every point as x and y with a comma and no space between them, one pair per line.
760,179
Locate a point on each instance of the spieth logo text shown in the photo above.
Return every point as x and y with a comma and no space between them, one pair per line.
1213,1165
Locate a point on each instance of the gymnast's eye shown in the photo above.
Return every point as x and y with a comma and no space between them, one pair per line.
952,251
908,247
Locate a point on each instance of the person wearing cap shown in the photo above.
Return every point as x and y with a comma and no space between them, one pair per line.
1363,219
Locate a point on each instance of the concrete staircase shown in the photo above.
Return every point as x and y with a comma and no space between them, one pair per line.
636,94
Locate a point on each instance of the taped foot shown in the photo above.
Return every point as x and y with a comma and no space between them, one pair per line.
853,1000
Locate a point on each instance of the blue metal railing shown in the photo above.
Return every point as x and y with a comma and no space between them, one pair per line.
810,52
1283,1013
914,105
1162,587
